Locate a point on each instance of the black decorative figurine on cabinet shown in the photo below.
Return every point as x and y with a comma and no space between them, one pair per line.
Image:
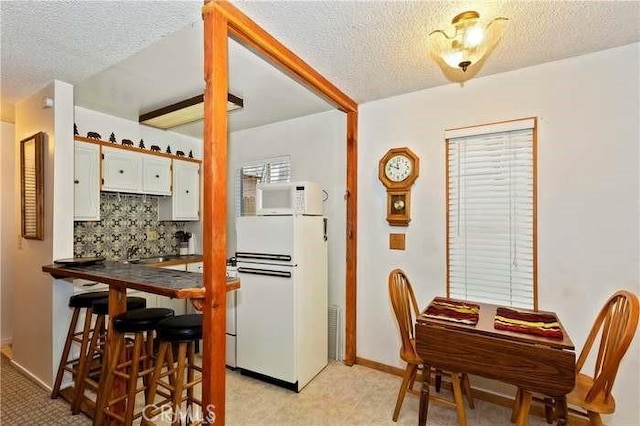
180,153
112,138
168,149
141,144
127,142
190,154
75,130
155,148
93,135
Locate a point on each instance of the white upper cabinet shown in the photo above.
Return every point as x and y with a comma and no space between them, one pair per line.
86,194
121,170
126,171
156,175
185,202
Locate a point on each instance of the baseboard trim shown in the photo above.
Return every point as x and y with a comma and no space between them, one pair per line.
483,395
29,375
396,371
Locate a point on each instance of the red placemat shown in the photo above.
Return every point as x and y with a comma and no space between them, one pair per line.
538,324
453,310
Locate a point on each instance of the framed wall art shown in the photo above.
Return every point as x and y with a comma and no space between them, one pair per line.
32,186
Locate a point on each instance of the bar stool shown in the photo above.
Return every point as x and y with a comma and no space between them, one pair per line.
78,302
185,331
138,322
100,308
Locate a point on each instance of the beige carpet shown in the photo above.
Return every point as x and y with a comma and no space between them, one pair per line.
340,395
23,402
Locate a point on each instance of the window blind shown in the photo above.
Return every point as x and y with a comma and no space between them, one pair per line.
251,174
490,217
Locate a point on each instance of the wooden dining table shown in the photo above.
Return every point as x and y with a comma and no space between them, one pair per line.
532,363
120,277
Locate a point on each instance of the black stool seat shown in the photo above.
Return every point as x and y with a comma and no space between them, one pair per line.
140,319
101,306
85,300
180,328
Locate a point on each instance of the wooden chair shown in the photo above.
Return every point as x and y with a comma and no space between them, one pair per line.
405,308
616,325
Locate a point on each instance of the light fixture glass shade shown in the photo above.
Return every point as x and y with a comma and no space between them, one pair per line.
471,40
184,112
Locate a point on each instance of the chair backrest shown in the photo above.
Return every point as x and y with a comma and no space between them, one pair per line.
405,307
616,325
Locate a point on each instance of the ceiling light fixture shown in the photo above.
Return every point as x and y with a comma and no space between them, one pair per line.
470,42
184,112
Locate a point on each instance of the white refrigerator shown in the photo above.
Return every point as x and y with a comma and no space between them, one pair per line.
281,305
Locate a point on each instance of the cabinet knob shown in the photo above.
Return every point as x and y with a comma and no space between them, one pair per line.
187,191
121,171
157,176
76,181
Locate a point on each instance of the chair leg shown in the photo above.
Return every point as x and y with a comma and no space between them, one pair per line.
468,393
150,394
438,384
105,392
523,410
133,379
65,353
548,409
594,419
457,396
177,395
191,361
85,346
408,372
148,361
516,406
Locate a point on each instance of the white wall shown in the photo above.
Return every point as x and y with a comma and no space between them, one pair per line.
8,227
588,109
40,315
317,146
32,289
94,121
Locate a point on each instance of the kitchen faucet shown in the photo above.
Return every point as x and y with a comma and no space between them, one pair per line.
132,251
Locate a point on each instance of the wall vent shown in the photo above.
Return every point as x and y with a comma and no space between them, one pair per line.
335,335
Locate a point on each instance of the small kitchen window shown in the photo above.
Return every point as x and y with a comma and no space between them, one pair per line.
251,174
491,213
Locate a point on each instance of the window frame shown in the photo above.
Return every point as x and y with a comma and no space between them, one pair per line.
488,128
267,164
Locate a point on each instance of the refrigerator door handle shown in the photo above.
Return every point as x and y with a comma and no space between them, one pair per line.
267,272
262,256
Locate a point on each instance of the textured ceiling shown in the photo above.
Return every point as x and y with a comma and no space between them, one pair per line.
370,50
71,40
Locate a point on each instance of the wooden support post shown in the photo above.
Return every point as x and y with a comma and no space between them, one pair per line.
215,216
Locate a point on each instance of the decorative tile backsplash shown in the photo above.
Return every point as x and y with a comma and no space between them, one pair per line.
125,220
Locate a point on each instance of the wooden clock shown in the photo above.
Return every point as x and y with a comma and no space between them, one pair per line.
397,171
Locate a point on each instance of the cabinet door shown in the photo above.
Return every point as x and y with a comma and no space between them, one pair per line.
86,175
121,170
194,267
156,175
186,190
152,299
179,306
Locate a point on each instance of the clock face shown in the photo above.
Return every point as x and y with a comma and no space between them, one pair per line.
398,168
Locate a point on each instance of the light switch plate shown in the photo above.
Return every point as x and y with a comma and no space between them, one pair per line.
152,235
397,241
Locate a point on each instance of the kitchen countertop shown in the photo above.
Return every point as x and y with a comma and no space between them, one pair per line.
165,282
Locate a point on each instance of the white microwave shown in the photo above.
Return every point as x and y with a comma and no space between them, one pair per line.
289,198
